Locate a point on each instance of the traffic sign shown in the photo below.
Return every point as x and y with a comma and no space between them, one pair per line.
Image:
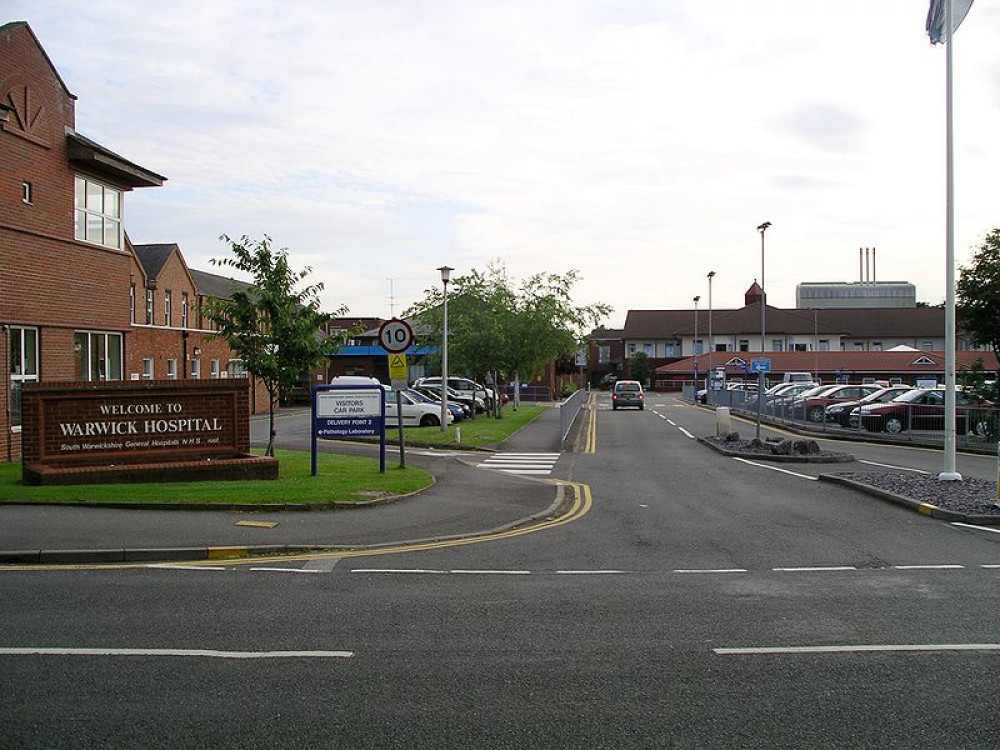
398,371
395,335
760,364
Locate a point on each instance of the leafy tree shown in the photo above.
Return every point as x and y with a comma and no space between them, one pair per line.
495,327
978,294
272,326
638,366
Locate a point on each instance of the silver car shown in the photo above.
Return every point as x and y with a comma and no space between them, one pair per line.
627,393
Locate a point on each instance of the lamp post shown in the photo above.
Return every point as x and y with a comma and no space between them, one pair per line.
445,276
711,341
694,346
763,303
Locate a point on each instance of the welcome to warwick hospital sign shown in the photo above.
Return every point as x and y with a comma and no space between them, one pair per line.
95,431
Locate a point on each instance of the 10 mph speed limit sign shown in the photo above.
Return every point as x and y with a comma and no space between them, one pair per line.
395,335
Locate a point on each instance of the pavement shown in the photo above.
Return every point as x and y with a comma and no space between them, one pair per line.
464,501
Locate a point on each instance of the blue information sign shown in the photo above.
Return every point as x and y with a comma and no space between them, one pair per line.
760,364
346,411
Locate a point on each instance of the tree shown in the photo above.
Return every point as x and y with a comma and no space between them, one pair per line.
978,294
270,325
638,366
493,327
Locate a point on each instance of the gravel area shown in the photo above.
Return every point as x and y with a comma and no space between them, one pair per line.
971,496
765,449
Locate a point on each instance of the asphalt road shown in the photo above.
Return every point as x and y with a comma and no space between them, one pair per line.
615,630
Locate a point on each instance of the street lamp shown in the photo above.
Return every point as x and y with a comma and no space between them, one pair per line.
445,277
711,341
694,346
763,303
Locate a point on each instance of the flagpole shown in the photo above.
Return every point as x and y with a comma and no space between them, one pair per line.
950,473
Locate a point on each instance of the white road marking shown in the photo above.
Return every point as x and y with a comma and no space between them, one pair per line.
686,432
528,464
170,566
287,570
670,421
323,565
201,653
859,649
814,569
589,572
973,526
890,466
928,567
713,570
776,468
492,572
990,567
396,570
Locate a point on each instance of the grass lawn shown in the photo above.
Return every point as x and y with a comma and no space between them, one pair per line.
338,478
482,430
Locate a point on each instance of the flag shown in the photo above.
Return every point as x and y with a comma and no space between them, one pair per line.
936,19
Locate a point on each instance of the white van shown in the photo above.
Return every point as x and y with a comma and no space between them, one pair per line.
798,377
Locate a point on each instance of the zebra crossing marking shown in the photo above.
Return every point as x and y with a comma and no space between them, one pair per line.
525,464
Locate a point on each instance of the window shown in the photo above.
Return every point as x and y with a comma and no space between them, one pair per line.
744,345
877,346
171,369
196,369
648,349
800,347
859,346
149,306
236,368
824,345
778,345
669,350
98,355
184,310
147,368
631,349
603,354
97,217
166,307
699,346
23,366
928,346
213,369
26,192
131,304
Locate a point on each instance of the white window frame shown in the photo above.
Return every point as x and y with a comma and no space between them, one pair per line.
213,369
26,190
150,307
147,368
236,369
131,303
184,310
196,369
166,307
87,211
22,375
172,368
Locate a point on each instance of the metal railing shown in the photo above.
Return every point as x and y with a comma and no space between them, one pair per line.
568,411
976,426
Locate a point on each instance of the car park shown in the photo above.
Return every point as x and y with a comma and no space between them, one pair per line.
627,393
814,407
465,388
845,413
434,394
415,413
458,412
924,409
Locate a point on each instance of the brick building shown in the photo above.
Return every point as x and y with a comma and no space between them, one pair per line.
77,300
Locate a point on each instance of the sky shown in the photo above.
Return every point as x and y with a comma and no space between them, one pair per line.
638,142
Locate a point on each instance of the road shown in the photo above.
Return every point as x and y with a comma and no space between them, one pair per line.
700,602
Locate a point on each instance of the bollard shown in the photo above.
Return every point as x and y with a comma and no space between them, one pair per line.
723,421
458,434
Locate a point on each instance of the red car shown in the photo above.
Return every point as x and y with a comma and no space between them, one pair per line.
815,406
923,409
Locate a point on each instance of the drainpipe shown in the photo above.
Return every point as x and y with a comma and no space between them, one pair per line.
7,437
184,357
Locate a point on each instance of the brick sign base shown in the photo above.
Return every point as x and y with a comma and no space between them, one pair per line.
138,431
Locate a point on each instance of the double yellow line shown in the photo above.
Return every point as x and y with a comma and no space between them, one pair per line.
580,505
591,429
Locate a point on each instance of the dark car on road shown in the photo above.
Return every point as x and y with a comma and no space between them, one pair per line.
627,393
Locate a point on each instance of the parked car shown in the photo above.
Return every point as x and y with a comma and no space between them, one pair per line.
458,412
467,389
814,407
608,381
845,413
465,405
415,413
787,391
627,393
923,409
796,407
